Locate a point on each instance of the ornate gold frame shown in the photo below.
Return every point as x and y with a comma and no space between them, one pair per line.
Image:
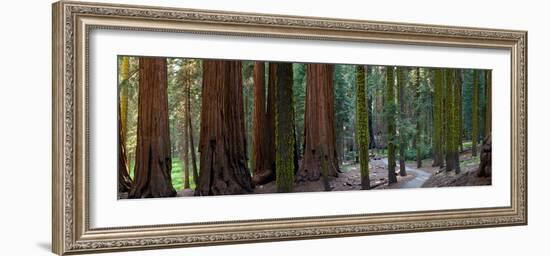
72,22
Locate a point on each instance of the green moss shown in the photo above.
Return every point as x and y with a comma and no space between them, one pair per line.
284,131
362,126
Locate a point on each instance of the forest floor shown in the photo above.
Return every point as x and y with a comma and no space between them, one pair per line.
467,177
425,176
350,177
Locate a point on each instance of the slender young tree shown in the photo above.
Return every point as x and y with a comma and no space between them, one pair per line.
222,143
185,138
153,161
390,107
269,127
452,120
284,129
191,138
488,92
417,113
125,75
438,118
319,132
475,113
457,113
362,127
402,116
460,82
370,98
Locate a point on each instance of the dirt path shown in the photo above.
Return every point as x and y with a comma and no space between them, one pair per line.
420,176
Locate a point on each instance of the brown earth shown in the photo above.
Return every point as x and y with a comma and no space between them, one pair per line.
350,179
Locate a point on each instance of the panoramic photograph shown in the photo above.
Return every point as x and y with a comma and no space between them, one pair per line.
205,127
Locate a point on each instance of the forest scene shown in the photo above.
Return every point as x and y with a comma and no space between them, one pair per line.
203,127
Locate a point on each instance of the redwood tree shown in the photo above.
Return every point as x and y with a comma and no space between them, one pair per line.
153,161
262,167
223,168
319,133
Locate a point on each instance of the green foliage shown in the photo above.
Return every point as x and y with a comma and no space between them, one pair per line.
344,107
248,102
424,117
177,174
390,111
299,91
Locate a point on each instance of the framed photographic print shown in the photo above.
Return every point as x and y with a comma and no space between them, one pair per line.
177,127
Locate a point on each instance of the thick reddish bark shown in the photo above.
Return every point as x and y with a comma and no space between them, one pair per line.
319,133
222,142
153,161
262,169
124,180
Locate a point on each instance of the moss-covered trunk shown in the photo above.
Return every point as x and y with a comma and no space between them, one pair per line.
362,127
402,138
284,129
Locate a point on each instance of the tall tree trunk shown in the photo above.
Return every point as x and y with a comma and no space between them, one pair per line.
124,180
285,139
153,161
475,113
390,121
460,76
438,118
191,138
269,127
319,133
185,142
125,75
262,171
362,127
372,142
222,144
457,113
489,102
402,116
449,121
418,132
